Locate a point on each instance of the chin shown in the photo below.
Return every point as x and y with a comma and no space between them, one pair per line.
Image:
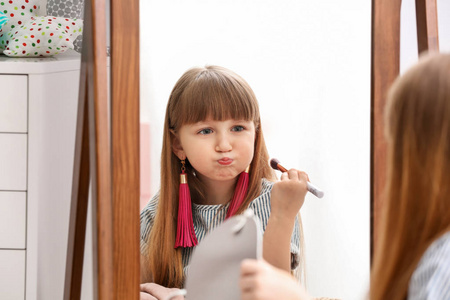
226,177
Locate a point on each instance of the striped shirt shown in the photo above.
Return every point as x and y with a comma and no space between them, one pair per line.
431,279
208,217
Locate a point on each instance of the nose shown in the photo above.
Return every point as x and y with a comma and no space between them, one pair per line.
223,143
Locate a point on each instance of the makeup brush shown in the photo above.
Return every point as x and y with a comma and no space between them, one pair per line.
275,164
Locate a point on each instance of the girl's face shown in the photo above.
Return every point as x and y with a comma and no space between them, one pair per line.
218,150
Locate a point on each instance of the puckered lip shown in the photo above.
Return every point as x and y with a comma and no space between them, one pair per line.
225,161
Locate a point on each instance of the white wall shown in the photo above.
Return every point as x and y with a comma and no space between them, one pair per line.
309,65
408,35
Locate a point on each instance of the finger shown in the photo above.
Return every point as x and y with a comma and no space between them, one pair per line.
247,283
284,176
293,174
162,292
249,266
145,296
153,289
176,294
247,295
303,176
145,287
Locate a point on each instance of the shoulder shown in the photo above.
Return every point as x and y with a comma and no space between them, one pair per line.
266,189
263,200
432,275
266,186
261,204
149,211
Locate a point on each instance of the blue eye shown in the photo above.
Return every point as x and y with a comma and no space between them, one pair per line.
237,128
205,131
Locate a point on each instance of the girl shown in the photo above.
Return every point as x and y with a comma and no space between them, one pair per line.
212,136
412,256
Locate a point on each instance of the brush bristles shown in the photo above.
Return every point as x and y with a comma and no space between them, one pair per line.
274,163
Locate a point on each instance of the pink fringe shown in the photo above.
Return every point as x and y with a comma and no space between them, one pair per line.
239,194
185,226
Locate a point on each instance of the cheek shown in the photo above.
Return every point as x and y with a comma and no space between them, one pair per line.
189,145
192,156
248,148
251,151
199,162
196,153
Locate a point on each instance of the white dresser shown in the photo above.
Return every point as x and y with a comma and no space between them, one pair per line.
38,107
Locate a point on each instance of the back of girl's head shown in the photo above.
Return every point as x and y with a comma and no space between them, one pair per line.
418,110
418,133
416,209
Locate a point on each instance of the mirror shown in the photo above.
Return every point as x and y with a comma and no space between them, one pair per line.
309,66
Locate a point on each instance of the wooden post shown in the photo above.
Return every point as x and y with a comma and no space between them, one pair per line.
101,178
427,25
385,68
92,161
80,196
125,136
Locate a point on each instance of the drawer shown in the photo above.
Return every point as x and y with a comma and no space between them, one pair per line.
13,162
14,103
13,214
12,274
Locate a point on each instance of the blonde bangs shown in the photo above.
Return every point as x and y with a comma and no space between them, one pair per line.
216,93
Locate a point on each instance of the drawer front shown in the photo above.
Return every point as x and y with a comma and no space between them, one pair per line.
13,162
14,103
13,220
12,274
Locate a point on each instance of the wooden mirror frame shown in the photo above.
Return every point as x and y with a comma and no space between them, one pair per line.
107,155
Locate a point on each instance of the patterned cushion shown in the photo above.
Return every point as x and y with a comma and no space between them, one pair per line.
3,19
18,12
68,9
43,36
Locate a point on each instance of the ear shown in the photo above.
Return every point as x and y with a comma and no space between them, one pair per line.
177,149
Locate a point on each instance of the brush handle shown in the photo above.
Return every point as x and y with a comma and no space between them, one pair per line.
314,190
311,188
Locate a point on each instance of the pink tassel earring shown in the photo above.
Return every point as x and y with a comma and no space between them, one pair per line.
185,225
239,193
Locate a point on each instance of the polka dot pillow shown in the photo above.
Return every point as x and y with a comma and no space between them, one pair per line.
18,12
43,36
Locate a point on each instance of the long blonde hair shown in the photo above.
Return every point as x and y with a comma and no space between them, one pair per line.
214,92
416,210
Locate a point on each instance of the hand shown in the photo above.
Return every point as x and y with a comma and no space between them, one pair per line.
145,296
261,281
288,194
153,291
